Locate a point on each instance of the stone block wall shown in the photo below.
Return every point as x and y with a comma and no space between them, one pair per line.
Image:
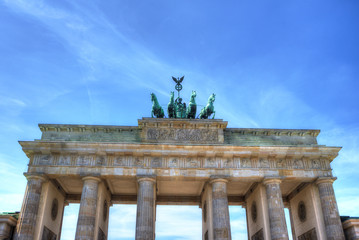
306,212
257,214
50,213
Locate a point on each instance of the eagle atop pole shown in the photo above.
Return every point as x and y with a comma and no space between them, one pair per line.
178,86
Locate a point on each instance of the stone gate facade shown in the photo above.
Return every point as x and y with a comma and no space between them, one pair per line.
180,161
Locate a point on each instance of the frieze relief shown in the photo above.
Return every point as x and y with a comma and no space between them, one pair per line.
84,160
43,160
156,162
192,163
137,162
315,164
227,163
101,161
246,163
120,161
182,135
298,164
210,162
179,162
64,160
173,162
281,163
264,163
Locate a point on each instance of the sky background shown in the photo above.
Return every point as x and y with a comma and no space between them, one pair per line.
272,64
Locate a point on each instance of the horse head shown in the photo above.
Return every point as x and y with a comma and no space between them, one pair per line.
212,98
153,97
194,94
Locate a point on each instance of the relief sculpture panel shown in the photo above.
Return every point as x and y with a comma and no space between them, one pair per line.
43,159
119,161
182,135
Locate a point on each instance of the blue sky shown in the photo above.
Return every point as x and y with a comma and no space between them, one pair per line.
272,64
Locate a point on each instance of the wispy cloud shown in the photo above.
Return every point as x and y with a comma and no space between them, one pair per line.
97,44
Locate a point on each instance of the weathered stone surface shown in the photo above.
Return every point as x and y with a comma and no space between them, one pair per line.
183,156
146,200
27,219
351,228
198,131
333,225
221,224
278,226
7,224
269,137
87,214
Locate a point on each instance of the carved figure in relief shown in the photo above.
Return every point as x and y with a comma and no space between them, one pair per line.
119,161
139,162
246,163
100,160
297,163
315,164
156,162
44,159
227,163
192,162
192,106
64,160
84,160
211,162
264,162
171,107
280,163
208,109
157,110
173,162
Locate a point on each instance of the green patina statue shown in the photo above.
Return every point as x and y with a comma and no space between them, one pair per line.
177,108
171,107
192,106
157,110
180,108
208,109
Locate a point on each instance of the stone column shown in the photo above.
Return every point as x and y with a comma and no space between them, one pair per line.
291,222
87,215
30,206
146,209
333,225
278,226
221,225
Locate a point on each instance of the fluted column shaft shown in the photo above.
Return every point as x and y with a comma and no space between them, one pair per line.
221,224
278,226
27,221
87,215
333,225
146,200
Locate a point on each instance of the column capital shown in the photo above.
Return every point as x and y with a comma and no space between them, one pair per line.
97,179
270,180
218,180
146,178
325,180
37,176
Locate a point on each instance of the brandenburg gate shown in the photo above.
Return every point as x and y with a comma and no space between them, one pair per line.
180,160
